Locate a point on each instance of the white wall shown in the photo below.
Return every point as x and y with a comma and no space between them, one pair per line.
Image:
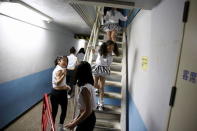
26,49
157,34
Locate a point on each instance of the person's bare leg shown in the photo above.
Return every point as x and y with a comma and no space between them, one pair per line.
113,35
109,35
96,80
101,95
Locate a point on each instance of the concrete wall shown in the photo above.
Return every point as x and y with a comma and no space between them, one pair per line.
27,54
156,34
26,49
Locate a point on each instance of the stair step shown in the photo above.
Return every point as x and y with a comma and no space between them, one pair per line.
111,101
115,73
98,128
110,109
114,77
113,83
120,51
110,88
113,124
116,63
107,116
112,95
116,68
117,59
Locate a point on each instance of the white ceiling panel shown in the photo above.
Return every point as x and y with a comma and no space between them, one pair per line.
62,13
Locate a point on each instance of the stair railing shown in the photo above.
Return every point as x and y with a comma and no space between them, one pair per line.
93,37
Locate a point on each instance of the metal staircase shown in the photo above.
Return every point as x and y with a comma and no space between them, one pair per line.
109,119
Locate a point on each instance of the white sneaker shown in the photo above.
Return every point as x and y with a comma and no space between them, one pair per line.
68,96
61,127
97,91
100,108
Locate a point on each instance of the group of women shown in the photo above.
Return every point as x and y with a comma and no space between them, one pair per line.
69,71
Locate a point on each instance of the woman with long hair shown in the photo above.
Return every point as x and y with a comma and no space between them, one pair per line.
80,55
102,68
86,99
111,25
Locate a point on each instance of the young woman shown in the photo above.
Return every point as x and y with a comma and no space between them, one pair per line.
111,25
80,55
59,91
102,68
86,99
72,63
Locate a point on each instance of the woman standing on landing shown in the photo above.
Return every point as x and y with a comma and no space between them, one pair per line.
59,91
72,63
86,99
102,68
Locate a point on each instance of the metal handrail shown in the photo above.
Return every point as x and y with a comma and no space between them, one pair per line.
93,38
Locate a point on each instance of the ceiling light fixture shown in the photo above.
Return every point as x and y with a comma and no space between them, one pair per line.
22,11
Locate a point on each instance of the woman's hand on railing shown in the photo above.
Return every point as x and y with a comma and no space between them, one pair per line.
101,13
93,51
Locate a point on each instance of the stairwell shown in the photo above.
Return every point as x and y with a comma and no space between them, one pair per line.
109,119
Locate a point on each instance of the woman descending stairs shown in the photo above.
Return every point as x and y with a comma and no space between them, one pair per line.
109,118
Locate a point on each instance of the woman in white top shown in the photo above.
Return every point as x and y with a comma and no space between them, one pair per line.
59,91
72,62
86,99
102,68
111,26
80,55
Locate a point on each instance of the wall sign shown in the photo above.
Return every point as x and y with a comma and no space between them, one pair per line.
189,76
144,63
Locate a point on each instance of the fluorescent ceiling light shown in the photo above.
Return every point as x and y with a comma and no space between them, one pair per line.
22,11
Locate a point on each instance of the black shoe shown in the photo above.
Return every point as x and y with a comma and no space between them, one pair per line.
97,91
100,108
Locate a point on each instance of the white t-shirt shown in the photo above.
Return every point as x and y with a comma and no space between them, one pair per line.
104,61
72,62
81,103
114,19
63,82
